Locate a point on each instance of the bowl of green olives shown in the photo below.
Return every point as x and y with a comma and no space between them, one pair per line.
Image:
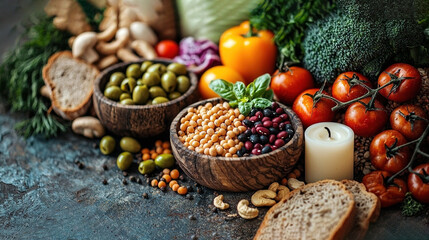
141,98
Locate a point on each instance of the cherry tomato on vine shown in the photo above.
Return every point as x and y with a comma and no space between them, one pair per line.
321,112
404,90
409,120
383,154
344,90
388,195
288,85
366,123
167,49
419,187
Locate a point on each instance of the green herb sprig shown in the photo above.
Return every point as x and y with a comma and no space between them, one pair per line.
411,207
255,95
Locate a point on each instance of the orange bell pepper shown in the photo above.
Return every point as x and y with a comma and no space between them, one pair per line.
250,53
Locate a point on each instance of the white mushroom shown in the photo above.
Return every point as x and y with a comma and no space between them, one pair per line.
87,126
142,31
121,39
83,47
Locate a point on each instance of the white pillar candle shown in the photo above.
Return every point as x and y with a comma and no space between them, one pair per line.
328,154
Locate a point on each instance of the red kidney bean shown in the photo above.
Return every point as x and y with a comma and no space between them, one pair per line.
282,135
256,151
264,119
279,142
277,120
272,138
284,116
253,118
257,146
267,124
262,130
275,105
248,145
273,147
253,129
275,125
259,115
282,126
279,110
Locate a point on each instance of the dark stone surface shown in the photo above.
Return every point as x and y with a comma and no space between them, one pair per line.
44,195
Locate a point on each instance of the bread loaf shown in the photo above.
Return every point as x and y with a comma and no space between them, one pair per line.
321,210
71,82
367,208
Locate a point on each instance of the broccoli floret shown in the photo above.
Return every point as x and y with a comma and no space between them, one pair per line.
363,36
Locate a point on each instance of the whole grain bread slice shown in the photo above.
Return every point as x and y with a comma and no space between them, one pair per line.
71,81
320,210
367,208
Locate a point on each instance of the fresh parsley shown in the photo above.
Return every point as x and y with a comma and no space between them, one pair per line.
255,95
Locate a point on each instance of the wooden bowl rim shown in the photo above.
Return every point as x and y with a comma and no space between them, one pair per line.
174,125
97,89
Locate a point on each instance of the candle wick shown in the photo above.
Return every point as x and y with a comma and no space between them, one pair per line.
329,131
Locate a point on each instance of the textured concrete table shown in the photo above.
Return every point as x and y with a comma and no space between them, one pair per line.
44,195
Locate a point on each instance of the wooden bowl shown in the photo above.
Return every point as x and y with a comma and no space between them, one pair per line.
140,121
237,174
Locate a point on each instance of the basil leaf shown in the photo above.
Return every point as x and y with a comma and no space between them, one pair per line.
245,107
268,94
261,103
223,88
233,104
239,90
250,90
261,85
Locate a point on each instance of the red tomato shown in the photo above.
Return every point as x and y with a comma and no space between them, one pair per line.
390,195
322,111
418,188
366,123
288,85
402,91
382,156
167,49
407,120
344,90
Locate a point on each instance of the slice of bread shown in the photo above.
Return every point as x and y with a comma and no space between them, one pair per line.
320,210
71,81
367,208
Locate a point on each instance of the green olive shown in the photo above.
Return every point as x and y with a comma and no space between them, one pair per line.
127,101
168,81
177,68
107,145
113,92
140,94
157,91
174,95
165,160
129,144
145,65
140,82
116,78
124,96
183,84
109,84
158,68
146,167
159,100
151,79
124,160
128,84
133,71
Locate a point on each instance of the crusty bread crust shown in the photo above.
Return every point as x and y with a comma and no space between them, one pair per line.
82,107
361,227
343,226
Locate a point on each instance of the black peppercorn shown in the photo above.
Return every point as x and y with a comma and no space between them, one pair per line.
104,182
125,174
145,195
192,217
80,165
133,179
124,181
139,181
105,168
189,196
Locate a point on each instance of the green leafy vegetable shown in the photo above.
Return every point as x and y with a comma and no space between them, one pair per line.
288,19
21,76
255,95
410,207
94,15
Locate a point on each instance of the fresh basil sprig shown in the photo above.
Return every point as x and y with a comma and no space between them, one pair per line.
255,95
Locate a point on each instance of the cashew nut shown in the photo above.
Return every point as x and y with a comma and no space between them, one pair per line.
282,192
45,91
218,202
127,55
144,49
121,39
107,61
273,187
87,126
107,34
83,47
263,198
294,183
245,211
